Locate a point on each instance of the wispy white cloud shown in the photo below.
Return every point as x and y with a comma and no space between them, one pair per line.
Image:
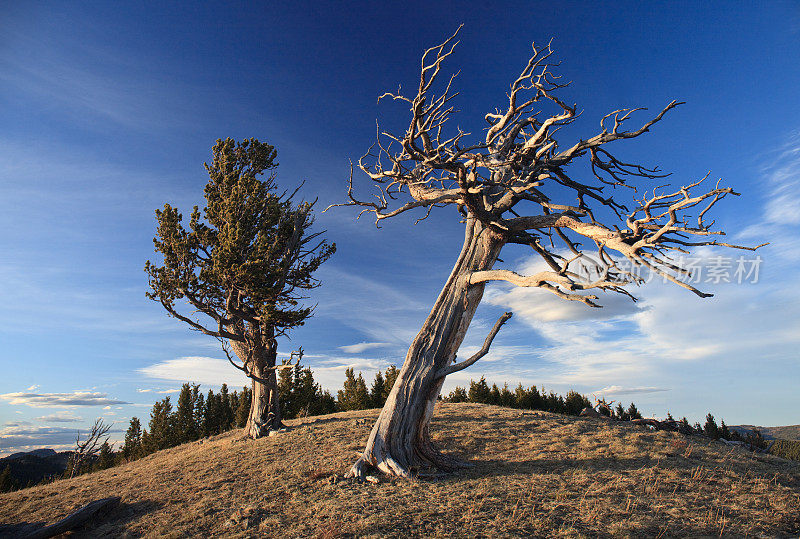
159,391
197,369
361,347
48,400
17,424
783,177
619,390
384,313
93,85
63,416
17,437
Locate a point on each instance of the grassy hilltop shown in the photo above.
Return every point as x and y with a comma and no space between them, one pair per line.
536,473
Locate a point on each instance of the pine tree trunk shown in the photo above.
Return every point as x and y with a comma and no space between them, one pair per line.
399,441
265,409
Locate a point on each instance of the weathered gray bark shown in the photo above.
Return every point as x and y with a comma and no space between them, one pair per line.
265,410
400,441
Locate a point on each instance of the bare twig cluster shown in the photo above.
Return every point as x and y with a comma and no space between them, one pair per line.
516,180
89,448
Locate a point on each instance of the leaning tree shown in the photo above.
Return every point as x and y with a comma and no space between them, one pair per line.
242,273
517,185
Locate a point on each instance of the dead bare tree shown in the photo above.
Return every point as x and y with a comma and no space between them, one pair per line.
514,187
86,450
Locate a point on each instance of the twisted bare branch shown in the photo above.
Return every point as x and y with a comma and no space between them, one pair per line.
455,367
517,181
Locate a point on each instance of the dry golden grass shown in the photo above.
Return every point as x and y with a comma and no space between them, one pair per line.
536,474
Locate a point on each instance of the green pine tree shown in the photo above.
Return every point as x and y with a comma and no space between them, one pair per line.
724,432
494,395
389,377
199,415
479,391
620,413
459,394
7,483
710,428
507,397
105,459
226,413
354,394
162,432
633,412
243,410
287,392
377,391
575,403
132,448
245,261
184,421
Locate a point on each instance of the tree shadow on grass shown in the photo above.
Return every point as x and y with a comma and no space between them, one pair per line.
117,517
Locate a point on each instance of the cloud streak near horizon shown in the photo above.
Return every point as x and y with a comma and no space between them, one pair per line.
48,400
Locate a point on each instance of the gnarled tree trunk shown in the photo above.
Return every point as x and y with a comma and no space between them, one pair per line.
265,409
399,440
506,175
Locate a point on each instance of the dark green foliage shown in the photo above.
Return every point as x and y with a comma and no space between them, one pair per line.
633,412
390,377
494,395
710,428
755,441
378,393
788,449
199,415
354,394
506,397
247,257
243,408
555,403
620,413
479,392
7,483
575,402
185,425
459,394
724,432
132,448
224,409
162,432
525,399
301,396
105,459
528,399
212,415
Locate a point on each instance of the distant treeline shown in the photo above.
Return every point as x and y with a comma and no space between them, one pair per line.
197,415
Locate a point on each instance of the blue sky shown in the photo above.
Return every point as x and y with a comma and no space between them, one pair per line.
108,111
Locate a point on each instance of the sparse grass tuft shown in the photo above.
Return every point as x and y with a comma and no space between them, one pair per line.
535,474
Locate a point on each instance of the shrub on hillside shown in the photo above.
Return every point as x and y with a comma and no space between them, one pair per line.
788,449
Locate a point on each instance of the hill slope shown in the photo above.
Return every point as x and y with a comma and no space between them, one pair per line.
786,432
34,466
536,474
